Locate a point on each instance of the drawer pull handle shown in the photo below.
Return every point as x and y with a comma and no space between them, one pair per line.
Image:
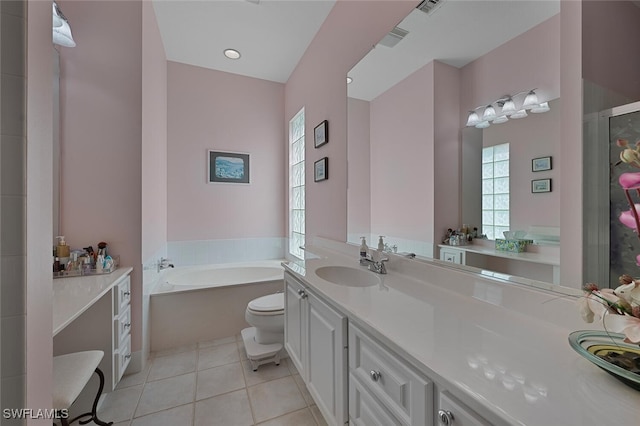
127,356
375,375
127,293
446,417
127,325
302,294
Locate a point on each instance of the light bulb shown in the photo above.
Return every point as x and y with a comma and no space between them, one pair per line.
509,107
520,114
543,107
489,113
501,119
473,119
530,101
482,125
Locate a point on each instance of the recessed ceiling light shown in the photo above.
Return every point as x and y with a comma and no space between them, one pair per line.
349,80
232,53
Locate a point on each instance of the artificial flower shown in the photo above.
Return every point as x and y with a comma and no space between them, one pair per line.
629,180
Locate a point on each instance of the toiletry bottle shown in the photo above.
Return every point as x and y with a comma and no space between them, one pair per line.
62,250
99,263
56,264
363,248
381,243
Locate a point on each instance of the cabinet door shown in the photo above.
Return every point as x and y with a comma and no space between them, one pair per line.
452,255
451,412
327,354
294,318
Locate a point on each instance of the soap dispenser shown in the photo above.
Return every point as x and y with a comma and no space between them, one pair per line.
62,251
381,243
363,248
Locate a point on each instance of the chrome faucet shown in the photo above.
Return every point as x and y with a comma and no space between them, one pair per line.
163,263
375,266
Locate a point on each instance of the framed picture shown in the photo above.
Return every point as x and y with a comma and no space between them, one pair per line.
321,170
541,164
228,167
321,134
541,185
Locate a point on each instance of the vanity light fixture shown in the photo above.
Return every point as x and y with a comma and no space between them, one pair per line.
232,53
61,29
507,109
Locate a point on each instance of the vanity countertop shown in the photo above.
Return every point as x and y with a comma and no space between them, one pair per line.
501,348
72,296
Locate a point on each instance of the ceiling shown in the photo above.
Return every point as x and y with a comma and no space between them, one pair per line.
272,36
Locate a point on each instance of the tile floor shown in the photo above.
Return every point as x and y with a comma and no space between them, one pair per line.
211,384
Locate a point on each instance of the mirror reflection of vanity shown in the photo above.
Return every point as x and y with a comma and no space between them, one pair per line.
405,137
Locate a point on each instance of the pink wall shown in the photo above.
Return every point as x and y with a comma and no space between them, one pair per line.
226,112
101,133
531,60
358,179
571,147
39,131
318,84
154,136
402,160
537,135
612,34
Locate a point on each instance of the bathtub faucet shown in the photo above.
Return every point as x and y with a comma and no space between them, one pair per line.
163,263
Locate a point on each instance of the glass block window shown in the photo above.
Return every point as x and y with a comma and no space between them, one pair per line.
495,190
296,185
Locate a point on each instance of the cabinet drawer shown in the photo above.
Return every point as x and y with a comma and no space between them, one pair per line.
122,294
122,357
454,413
121,326
452,255
364,409
405,392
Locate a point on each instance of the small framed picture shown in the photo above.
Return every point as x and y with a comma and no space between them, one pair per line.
321,170
228,167
321,134
541,185
541,164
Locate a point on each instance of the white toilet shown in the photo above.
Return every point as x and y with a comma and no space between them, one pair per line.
264,341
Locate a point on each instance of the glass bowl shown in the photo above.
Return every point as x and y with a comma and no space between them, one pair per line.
594,345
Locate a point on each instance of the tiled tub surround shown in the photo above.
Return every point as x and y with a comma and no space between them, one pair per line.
208,384
205,252
500,348
189,313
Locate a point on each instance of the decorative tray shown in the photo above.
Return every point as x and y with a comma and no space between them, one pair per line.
609,352
88,271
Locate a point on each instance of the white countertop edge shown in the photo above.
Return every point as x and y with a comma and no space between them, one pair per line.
116,276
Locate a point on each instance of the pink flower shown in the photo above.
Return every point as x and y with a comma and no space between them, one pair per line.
629,180
628,219
638,260
626,324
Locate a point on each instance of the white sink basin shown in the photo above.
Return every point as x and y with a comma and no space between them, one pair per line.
347,276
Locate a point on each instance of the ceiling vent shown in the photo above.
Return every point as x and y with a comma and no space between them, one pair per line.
394,37
429,6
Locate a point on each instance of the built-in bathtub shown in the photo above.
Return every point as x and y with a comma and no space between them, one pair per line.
206,302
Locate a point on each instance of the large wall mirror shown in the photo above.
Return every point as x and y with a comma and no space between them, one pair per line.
391,105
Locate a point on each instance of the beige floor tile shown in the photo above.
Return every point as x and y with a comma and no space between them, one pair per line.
275,398
167,393
216,342
176,350
303,389
178,416
216,356
172,365
242,350
297,418
119,405
135,378
224,410
318,415
265,372
219,380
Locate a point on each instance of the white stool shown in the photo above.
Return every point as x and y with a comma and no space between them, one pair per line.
71,373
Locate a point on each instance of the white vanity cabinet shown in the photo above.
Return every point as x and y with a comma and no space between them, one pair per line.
316,340
450,254
383,388
452,412
121,328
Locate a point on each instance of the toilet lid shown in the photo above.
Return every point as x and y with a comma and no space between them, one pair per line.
268,303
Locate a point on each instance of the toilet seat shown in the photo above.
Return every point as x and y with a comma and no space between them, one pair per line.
271,304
